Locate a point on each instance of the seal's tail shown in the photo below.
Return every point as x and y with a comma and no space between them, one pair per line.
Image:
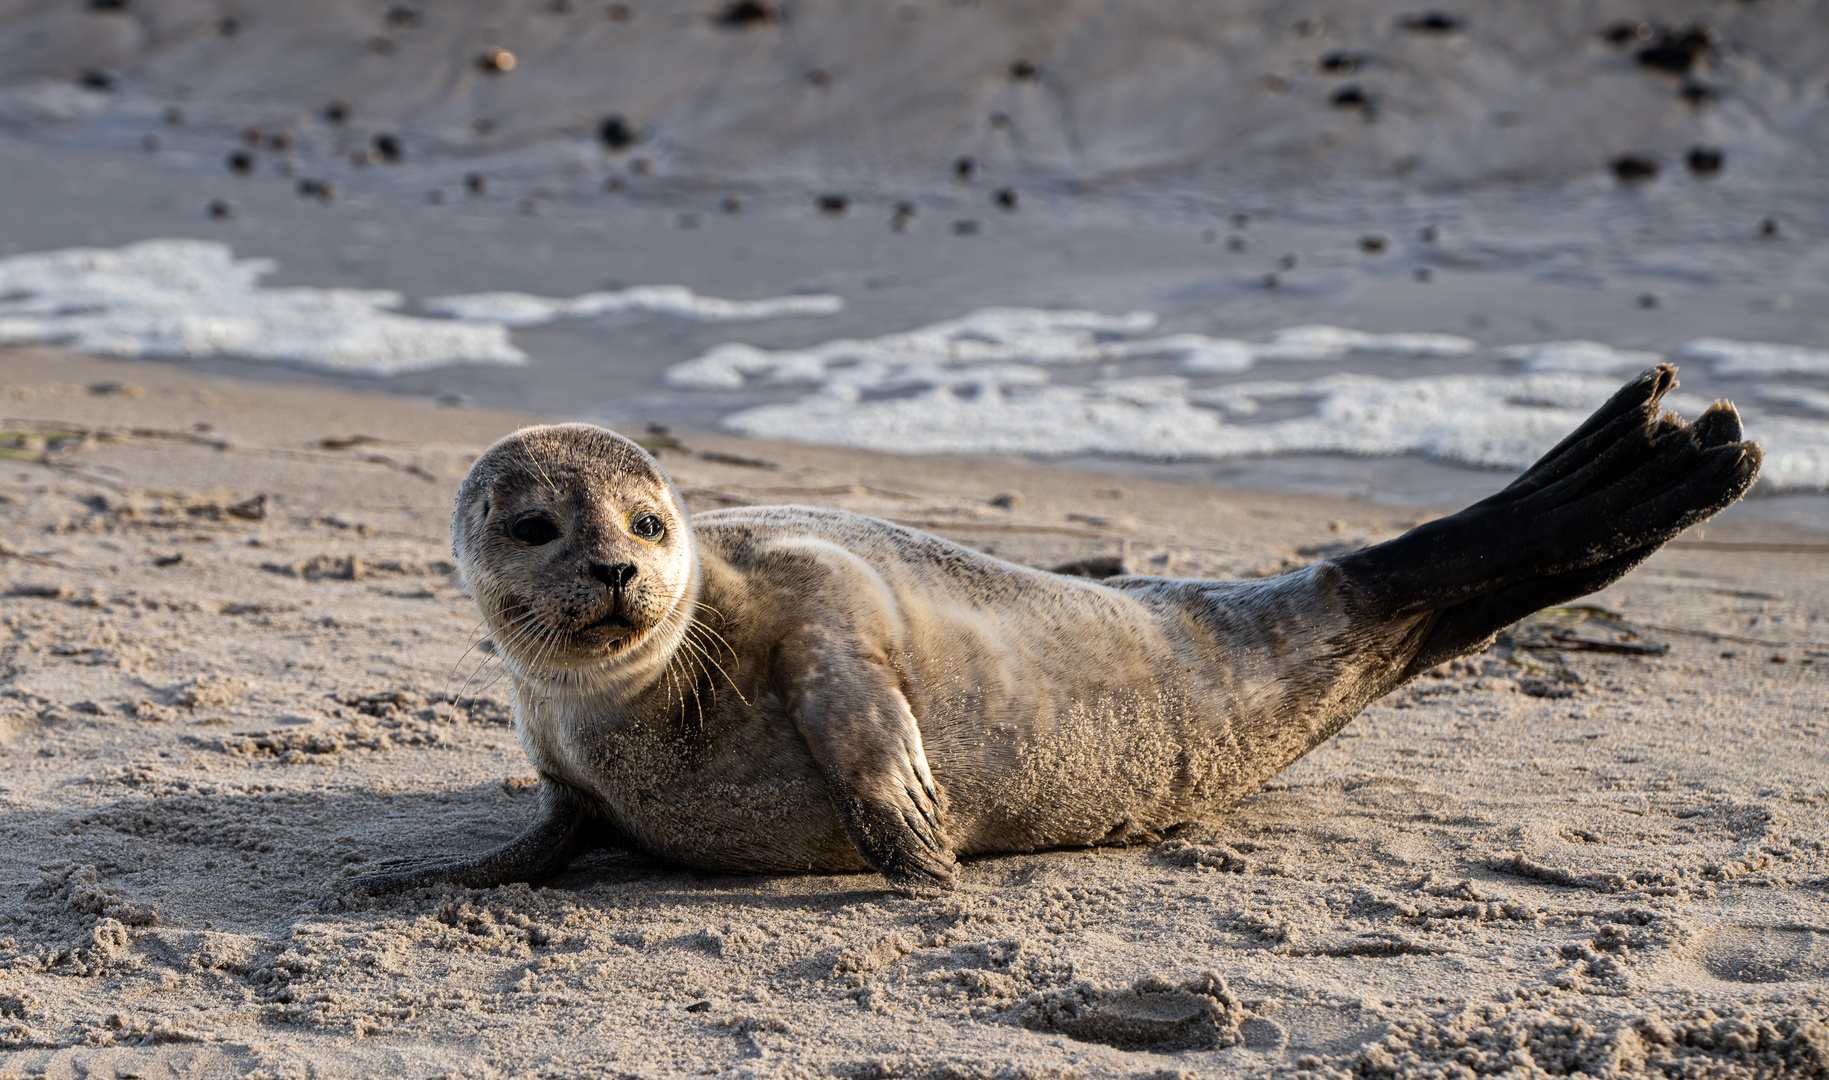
1617,489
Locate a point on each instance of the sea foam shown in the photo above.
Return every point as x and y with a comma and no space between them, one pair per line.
983,383
1757,357
525,309
193,298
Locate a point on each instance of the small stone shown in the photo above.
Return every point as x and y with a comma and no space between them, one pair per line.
615,132
743,14
1634,168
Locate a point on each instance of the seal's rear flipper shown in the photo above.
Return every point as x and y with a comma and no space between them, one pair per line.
565,831
1615,490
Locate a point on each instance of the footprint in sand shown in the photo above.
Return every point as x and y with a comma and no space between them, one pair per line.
1765,954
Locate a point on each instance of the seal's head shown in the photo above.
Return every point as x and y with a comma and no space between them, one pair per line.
578,551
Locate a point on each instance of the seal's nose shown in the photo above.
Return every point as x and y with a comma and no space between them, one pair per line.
616,575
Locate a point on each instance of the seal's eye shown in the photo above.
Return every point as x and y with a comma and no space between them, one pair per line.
648,527
535,529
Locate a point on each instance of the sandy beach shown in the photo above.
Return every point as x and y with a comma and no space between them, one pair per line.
238,667
1186,288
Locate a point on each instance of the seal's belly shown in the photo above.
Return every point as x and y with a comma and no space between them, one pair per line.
743,794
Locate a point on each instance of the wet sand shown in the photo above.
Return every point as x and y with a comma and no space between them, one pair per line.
237,667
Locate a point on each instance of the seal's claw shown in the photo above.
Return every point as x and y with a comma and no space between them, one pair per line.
895,842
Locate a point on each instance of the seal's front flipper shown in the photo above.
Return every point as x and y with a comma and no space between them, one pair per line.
567,828
847,705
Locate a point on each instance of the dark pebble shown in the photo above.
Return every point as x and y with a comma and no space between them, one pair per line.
904,213
251,136
1273,281
107,5
475,184
733,205
388,148
1288,262
1768,228
1097,566
336,112
1625,32
1000,120
1339,63
241,162
1239,221
618,12
280,140
699,1006
1634,168
1677,50
1236,243
1427,236
1704,160
324,191
1371,245
746,13
615,132
964,168
1697,93
174,115
1649,302
149,143
1023,71
97,80
220,209
401,17
1431,22
819,77
1349,97
967,227
833,204
228,26
1006,199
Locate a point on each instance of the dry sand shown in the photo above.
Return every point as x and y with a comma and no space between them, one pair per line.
1548,858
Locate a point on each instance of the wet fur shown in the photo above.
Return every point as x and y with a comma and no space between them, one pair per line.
811,689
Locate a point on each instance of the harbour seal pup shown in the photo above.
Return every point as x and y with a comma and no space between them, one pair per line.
778,689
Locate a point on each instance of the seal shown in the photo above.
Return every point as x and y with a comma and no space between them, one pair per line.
784,689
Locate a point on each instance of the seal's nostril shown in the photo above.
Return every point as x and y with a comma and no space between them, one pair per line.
616,575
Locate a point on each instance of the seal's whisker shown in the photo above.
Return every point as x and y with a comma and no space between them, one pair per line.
697,626
514,639
499,646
